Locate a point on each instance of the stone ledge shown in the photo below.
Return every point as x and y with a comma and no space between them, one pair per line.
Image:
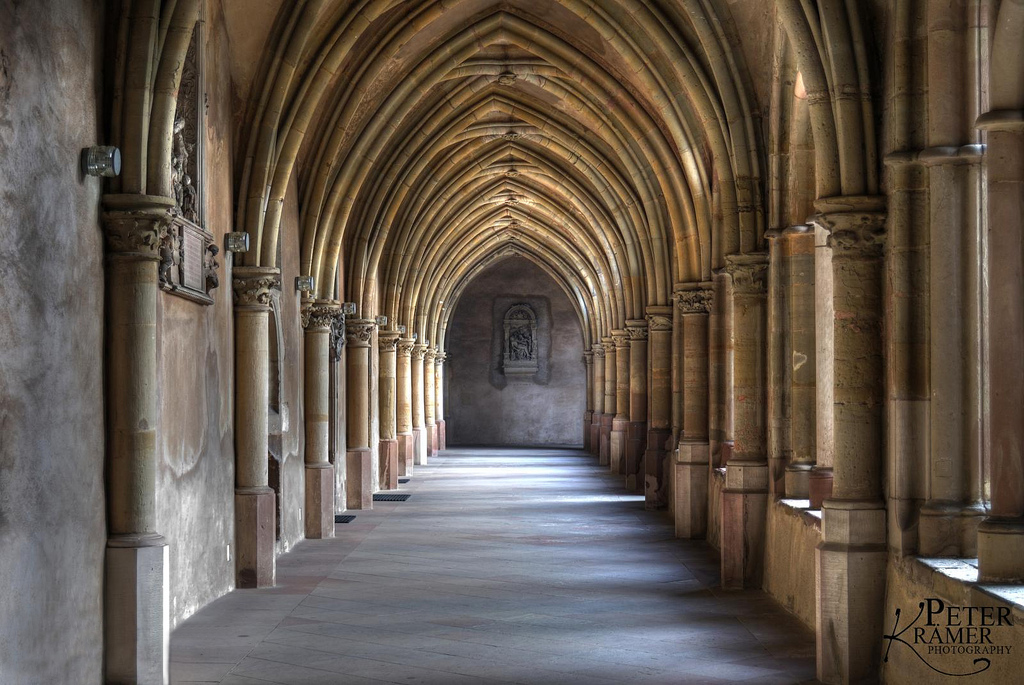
965,572
803,507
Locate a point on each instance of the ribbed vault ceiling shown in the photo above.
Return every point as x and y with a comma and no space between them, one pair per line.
608,141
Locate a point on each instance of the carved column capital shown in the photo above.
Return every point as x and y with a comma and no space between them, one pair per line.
358,332
418,351
637,329
429,355
659,318
749,273
387,341
319,315
588,358
255,287
405,346
135,225
854,233
620,338
441,358
695,298
598,349
337,343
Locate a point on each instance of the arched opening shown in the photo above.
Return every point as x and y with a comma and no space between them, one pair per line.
515,371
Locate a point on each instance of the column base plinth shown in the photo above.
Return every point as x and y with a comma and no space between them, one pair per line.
419,446
654,471
850,598
617,439
819,486
595,435
743,519
1001,550
431,435
442,435
798,481
588,417
359,479
255,537
604,458
388,467
949,529
319,515
136,627
691,489
405,454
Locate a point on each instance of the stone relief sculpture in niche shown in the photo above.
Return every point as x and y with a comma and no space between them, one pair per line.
188,267
520,341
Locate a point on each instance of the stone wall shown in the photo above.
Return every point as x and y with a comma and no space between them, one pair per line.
791,538
485,407
52,518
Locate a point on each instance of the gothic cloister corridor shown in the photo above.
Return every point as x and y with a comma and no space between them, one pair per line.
505,566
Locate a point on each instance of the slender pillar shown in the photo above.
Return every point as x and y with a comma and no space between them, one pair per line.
1001,534
598,391
255,501
136,588
429,401
720,364
610,368
317,319
694,303
779,345
620,423
403,383
659,413
635,356
851,558
359,485
745,496
387,341
819,481
419,431
442,438
588,415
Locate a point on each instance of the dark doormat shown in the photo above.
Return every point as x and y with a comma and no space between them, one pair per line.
390,497
344,518
404,480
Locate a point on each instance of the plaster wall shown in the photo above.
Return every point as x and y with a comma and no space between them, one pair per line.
52,520
480,411
789,574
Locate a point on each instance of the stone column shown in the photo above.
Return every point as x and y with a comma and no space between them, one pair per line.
636,432
798,254
610,369
745,496
429,401
419,431
598,391
659,414
819,481
1001,534
588,415
387,341
851,559
255,501
720,365
317,319
694,302
620,423
403,382
442,438
136,588
779,354
359,485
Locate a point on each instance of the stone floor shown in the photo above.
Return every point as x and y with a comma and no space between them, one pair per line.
505,566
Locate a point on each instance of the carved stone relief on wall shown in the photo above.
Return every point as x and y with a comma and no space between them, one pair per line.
521,342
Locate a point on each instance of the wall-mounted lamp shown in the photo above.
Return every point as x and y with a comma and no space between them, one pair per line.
348,308
382,321
304,284
101,160
401,330
236,242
